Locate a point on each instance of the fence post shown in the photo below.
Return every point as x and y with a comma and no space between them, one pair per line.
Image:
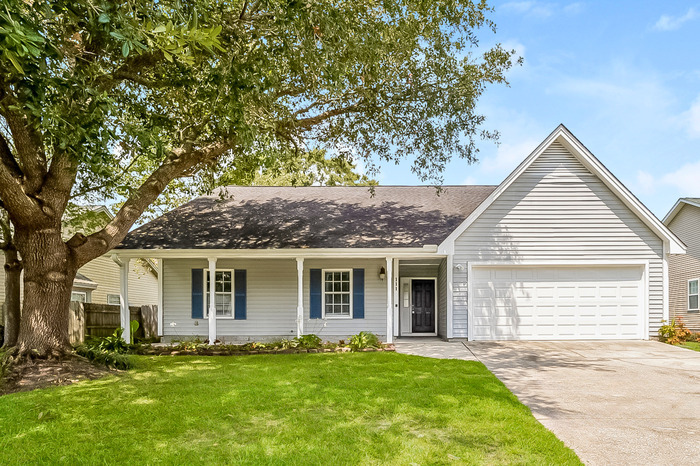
76,323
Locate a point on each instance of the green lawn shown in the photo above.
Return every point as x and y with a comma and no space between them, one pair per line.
361,408
693,345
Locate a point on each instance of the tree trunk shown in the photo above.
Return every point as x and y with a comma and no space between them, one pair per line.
49,271
13,271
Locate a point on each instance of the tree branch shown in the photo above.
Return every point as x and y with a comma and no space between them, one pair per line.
28,145
177,164
306,123
8,159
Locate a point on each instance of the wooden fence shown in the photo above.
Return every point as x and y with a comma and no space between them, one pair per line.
100,320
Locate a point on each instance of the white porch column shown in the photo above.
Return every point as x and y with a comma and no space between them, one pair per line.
396,274
125,315
212,300
389,307
300,296
160,297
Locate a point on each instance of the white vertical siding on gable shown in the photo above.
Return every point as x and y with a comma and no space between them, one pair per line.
683,267
558,210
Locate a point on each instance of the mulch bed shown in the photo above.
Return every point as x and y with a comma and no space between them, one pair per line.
234,350
41,373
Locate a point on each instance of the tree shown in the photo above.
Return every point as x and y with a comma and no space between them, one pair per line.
120,98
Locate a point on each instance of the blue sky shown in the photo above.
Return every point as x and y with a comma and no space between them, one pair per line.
623,76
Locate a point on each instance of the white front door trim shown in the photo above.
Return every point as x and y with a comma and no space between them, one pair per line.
410,307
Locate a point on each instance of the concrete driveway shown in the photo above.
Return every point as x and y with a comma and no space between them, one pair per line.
611,402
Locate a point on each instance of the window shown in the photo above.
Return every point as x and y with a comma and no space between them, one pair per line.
79,296
223,293
693,295
114,299
336,291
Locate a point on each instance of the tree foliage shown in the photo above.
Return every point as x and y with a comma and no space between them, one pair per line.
117,99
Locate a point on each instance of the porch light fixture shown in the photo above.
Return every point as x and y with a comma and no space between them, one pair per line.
382,273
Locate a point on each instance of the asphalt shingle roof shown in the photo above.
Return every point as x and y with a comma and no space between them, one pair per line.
311,217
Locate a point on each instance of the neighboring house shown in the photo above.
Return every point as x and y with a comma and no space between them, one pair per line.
98,280
684,270
560,250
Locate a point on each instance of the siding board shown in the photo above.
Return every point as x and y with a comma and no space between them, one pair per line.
683,267
557,209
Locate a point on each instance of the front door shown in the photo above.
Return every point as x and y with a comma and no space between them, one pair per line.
423,306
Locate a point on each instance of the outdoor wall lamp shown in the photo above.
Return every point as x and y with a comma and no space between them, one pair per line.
382,273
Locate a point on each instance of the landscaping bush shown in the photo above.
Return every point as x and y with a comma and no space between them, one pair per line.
675,332
364,340
309,341
109,351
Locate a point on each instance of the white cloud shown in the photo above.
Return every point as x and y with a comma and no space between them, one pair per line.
684,181
692,119
541,10
508,156
470,180
645,182
671,23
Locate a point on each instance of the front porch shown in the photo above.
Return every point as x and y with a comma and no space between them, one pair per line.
237,296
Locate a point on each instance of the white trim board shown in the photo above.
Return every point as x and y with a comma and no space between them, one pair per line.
580,152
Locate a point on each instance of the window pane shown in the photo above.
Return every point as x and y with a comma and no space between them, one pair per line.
345,276
346,310
329,276
329,286
346,299
336,286
693,287
329,299
346,286
336,276
693,302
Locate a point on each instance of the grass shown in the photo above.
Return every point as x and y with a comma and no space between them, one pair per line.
364,408
693,345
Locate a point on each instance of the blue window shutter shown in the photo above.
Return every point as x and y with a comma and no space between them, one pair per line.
358,293
197,295
239,290
315,294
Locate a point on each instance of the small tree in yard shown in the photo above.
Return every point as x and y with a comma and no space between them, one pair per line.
119,99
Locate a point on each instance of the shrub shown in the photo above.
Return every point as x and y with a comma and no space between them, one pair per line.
113,343
190,345
104,357
309,341
675,332
364,340
109,351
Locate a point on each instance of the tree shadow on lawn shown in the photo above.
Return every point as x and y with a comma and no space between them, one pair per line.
275,409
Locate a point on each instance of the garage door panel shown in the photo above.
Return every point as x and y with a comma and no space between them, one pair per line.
545,303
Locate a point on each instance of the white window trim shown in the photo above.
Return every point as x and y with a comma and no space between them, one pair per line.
689,294
80,293
323,295
205,295
118,297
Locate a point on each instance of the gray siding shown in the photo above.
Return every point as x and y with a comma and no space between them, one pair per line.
683,267
271,300
442,299
558,210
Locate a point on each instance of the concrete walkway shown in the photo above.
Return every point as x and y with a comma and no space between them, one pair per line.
612,402
433,348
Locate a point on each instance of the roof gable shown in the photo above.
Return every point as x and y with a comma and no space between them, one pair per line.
694,201
563,136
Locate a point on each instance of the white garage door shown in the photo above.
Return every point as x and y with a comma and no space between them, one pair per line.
557,303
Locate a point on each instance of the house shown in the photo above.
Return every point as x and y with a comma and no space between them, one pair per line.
98,280
684,269
559,250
